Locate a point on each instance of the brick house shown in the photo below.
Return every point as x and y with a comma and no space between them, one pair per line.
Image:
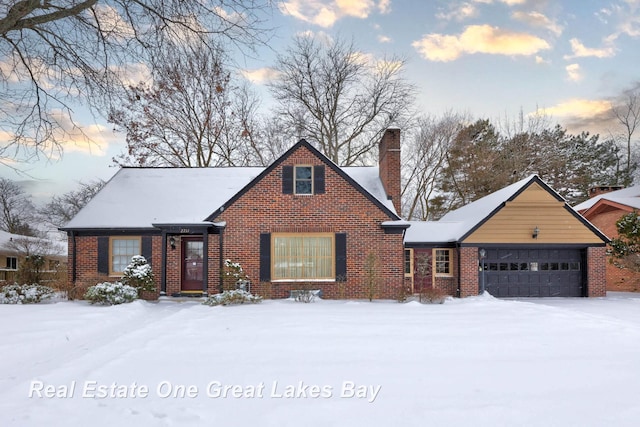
523,240
605,207
301,222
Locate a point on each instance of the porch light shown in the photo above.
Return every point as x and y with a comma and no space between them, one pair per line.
536,231
172,242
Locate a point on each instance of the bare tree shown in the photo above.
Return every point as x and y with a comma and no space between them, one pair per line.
339,98
193,114
17,212
57,53
424,159
61,209
627,113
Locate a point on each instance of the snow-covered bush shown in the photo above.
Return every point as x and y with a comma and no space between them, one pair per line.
24,294
233,297
108,293
139,275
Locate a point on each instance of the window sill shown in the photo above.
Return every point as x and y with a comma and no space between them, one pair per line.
303,280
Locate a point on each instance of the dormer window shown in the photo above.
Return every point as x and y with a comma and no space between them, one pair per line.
304,180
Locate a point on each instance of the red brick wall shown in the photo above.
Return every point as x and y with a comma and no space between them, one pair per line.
341,209
617,279
87,265
596,259
468,271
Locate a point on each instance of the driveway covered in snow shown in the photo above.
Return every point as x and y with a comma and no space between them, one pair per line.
477,361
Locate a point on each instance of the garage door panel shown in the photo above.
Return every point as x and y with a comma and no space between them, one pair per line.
513,272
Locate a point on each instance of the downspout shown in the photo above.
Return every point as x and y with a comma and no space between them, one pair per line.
459,271
73,258
205,267
221,256
163,280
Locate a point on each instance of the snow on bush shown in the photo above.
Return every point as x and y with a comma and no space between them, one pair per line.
108,293
139,275
24,294
234,297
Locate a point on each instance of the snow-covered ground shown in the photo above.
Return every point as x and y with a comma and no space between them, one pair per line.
471,362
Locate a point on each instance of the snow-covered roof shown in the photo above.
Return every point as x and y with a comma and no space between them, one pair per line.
433,232
455,224
627,196
140,197
369,178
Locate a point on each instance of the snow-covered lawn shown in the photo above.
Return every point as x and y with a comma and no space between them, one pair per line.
472,362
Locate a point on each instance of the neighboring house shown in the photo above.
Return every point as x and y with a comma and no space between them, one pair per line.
603,210
533,242
14,248
302,222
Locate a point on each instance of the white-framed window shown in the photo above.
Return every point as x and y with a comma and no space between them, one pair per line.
303,179
408,262
121,249
442,259
303,256
12,263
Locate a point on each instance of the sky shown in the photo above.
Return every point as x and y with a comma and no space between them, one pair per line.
488,58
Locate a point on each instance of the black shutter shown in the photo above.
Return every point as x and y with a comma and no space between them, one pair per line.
341,257
103,255
265,257
145,249
318,179
287,180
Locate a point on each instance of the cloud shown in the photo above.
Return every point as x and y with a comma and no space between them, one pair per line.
574,72
579,108
260,75
93,139
537,19
580,115
112,23
458,12
384,6
478,39
581,51
384,39
507,2
325,13
541,60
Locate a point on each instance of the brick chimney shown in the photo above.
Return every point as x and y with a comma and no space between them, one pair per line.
602,189
390,166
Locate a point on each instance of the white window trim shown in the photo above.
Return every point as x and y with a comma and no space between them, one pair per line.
434,255
295,180
111,239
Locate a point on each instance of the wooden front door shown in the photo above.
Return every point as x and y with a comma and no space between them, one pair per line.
192,264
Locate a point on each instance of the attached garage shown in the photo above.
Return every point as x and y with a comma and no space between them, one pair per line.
521,241
532,272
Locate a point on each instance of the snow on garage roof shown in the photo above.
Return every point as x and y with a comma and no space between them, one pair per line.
455,224
627,196
140,197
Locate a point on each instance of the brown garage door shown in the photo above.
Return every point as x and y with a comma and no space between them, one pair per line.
548,272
